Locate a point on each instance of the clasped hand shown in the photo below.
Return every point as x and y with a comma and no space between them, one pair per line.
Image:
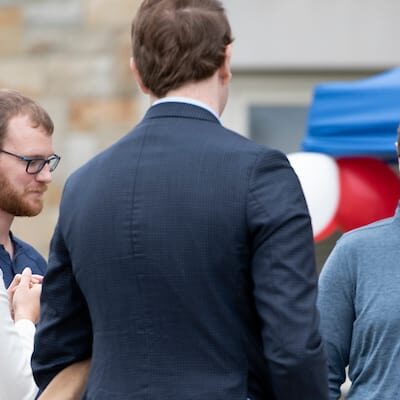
24,296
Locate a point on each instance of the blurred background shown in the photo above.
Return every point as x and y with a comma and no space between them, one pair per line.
73,57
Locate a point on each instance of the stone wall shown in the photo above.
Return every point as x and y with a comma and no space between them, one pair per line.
73,57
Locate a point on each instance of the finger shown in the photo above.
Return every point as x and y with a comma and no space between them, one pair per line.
15,282
37,287
35,282
11,291
37,278
26,277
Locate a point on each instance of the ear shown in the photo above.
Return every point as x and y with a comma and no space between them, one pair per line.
224,73
137,76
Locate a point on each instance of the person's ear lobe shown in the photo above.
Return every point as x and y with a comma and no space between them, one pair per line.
137,76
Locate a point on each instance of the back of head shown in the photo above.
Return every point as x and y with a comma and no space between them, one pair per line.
13,103
175,42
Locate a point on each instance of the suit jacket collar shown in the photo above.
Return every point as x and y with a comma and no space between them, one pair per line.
180,110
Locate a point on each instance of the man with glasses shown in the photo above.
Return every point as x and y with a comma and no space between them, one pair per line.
27,160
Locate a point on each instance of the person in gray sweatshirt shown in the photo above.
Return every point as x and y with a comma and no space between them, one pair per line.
359,304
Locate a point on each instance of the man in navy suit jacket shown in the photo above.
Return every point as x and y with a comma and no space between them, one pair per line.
182,262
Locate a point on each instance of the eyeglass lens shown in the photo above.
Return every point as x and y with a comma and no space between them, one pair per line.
35,166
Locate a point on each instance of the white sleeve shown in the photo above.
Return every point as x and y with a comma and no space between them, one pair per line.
16,345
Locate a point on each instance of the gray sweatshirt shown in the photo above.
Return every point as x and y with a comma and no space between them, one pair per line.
359,303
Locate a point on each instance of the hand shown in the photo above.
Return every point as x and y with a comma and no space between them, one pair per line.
25,296
15,282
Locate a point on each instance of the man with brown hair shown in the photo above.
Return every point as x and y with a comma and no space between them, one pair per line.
183,261
26,161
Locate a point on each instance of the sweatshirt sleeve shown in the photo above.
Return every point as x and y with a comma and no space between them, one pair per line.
16,344
336,306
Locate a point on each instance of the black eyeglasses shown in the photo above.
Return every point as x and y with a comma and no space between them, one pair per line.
35,164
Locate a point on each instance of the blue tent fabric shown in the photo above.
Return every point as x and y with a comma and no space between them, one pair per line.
355,118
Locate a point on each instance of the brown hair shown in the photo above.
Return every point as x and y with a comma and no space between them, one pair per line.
175,42
13,103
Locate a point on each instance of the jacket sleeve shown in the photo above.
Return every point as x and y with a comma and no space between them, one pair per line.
284,276
64,332
16,344
336,304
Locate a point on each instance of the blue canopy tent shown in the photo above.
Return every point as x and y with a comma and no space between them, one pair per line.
355,118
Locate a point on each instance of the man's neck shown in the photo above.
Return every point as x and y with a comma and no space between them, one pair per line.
5,225
205,92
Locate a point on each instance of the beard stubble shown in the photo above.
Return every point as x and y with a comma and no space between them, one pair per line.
14,203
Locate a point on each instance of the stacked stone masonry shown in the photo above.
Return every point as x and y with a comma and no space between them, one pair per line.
73,57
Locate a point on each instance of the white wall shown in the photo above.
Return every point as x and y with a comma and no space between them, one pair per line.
310,34
275,88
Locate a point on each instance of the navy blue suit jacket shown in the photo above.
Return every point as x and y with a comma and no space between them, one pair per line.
183,264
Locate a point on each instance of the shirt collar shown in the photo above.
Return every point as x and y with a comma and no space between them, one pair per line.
15,242
187,100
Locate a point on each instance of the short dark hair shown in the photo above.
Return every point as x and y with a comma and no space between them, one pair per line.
175,42
13,104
